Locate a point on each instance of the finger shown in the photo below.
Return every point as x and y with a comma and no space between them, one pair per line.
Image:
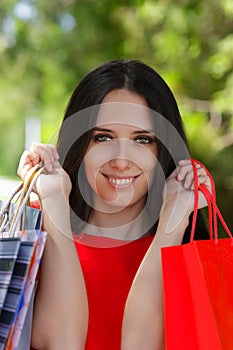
203,179
27,161
47,153
188,164
184,162
181,170
40,147
185,169
55,153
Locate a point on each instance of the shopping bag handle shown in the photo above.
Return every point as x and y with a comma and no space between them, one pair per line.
213,211
26,191
25,187
19,193
6,206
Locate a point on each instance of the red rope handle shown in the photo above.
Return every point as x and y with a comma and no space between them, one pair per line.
196,199
213,231
213,211
210,176
223,222
213,199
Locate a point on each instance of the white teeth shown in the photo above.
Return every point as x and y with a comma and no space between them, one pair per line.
120,181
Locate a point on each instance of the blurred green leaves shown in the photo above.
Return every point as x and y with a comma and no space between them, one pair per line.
47,46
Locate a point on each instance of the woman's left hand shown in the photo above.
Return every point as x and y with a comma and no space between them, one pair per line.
179,193
180,184
186,175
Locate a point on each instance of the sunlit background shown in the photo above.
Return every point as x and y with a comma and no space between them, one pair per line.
47,46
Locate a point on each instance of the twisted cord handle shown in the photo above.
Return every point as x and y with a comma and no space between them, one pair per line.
5,207
24,200
213,211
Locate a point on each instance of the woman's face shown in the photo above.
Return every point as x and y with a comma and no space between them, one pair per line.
122,155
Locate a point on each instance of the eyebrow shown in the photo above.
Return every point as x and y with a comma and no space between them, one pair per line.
135,132
101,129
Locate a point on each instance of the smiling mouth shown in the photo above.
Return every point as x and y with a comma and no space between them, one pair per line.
122,182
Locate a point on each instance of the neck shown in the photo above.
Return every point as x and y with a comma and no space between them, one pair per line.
126,224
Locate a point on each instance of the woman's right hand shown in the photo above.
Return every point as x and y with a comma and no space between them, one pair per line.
60,266
54,179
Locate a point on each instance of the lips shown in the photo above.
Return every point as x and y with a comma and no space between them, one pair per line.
120,182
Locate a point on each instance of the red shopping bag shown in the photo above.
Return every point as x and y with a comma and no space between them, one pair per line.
198,284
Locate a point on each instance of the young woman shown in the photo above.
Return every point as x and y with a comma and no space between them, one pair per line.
118,188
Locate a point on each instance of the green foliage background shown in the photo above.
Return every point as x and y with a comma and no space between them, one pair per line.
47,46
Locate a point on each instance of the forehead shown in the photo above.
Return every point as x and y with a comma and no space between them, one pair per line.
124,113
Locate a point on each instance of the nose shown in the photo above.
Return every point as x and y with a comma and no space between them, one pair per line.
121,161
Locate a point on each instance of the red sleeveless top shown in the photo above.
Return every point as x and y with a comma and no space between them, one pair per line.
109,270
109,267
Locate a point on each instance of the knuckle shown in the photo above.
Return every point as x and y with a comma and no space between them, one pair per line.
24,154
34,145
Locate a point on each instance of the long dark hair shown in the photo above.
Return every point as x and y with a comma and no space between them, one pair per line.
134,76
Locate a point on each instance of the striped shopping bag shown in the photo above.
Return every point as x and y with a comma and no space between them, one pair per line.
21,246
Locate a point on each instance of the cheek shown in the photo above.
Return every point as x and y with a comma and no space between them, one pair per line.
147,161
90,171
94,159
96,156
150,166
145,157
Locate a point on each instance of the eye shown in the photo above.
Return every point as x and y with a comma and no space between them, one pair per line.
144,140
102,138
